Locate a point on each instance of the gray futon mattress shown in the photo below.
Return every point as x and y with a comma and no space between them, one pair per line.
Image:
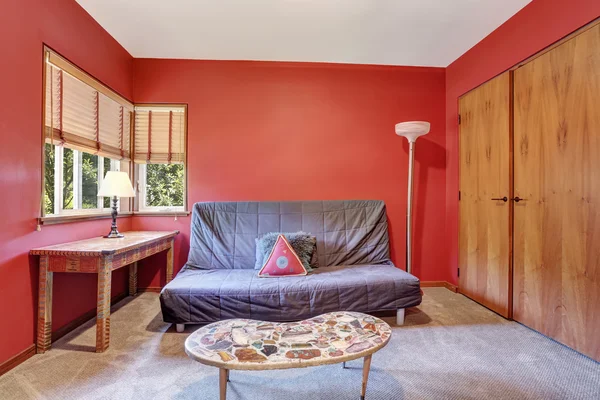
205,296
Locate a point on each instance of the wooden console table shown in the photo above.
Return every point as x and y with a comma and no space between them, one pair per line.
96,256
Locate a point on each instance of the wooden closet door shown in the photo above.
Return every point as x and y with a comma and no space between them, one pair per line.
484,224
557,172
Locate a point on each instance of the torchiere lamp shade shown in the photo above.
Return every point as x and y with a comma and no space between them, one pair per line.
413,129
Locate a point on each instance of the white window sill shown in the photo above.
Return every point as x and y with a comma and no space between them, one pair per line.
161,213
65,219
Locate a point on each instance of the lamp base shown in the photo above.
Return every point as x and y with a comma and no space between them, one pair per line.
114,235
114,232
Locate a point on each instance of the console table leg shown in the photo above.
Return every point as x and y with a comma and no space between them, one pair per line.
133,279
103,305
170,259
365,377
44,328
223,376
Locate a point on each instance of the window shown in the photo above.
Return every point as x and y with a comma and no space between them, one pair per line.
87,132
160,157
72,180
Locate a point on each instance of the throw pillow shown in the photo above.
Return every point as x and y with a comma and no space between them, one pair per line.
282,261
304,244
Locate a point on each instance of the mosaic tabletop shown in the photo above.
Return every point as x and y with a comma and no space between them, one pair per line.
327,339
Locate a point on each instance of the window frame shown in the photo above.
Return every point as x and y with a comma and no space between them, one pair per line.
142,207
139,171
125,207
115,165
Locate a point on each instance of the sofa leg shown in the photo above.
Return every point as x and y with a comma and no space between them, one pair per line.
400,316
180,328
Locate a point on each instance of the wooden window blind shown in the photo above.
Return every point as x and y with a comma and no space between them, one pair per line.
83,114
159,134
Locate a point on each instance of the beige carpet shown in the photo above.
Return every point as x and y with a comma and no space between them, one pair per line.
450,348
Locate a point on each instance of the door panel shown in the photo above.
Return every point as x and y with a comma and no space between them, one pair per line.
484,224
557,171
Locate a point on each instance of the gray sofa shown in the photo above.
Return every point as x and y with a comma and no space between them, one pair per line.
355,273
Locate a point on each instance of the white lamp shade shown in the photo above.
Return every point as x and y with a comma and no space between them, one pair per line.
116,183
413,129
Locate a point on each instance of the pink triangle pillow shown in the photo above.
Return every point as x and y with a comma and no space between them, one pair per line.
283,261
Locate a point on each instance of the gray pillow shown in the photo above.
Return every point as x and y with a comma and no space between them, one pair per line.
304,244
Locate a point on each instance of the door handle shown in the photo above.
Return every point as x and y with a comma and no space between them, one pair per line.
504,199
517,199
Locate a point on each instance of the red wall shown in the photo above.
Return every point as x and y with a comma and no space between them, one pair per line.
535,27
295,131
24,26
332,126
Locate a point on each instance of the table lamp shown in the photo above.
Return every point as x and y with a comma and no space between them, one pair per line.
411,131
115,184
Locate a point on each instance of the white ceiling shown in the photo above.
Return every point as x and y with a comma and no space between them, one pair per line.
389,32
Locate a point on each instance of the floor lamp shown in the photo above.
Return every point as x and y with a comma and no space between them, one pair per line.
411,131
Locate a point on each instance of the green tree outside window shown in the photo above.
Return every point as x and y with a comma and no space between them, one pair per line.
164,185
49,179
89,181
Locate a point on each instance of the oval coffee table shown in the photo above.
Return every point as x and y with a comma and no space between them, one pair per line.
245,344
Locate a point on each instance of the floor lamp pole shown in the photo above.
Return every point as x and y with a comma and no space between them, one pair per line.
411,162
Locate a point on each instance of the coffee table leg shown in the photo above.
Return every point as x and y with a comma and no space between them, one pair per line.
223,375
365,377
